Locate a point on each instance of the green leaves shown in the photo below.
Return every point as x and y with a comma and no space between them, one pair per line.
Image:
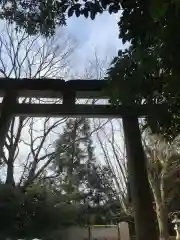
33,213
71,11
114,8
149,71
45,16
92,14
75,9
158,9
86,12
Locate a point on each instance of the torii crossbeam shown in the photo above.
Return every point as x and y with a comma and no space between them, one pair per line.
68,91
12,89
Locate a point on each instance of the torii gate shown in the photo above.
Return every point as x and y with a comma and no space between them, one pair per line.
11,89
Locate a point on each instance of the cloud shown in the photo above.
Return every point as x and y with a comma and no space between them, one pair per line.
100,35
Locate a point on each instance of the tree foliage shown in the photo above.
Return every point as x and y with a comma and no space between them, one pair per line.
24,56
80,176
163,161
149,70
44,16
75,190
29,151
33,213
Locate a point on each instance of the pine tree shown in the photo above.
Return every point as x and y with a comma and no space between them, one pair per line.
71,153
82,179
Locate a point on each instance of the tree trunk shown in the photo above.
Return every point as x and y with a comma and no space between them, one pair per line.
6,116
145,221
10,174
161,210
162,218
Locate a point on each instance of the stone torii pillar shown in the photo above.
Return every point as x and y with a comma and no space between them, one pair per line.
6,115
139,185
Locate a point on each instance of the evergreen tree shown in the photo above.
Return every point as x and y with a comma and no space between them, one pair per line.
71,153
82,179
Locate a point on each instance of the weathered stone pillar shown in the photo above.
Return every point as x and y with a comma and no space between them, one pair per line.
139,185
6,115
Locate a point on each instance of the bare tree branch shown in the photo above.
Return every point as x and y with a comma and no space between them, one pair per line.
31,56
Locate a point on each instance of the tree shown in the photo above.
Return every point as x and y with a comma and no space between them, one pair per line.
28,147
79,175
148,72
102,197
61,202
111,146
150,66
33,213
163,171
27,143
44,16
70,156
129,91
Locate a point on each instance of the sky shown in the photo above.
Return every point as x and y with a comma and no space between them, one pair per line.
99,35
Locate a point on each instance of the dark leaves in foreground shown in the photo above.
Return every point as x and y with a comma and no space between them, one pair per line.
45,15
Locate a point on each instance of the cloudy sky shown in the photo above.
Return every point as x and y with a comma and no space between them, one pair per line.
100,35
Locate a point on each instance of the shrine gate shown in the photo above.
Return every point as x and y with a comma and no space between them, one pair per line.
12,89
